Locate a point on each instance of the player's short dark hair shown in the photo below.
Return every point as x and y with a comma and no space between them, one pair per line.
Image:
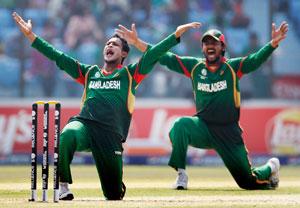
125,46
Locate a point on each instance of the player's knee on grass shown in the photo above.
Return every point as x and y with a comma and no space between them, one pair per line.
245,185
113,195
249,183
243,181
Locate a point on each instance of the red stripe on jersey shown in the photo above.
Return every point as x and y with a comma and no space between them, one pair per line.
80,79
137,76
239,72
186,72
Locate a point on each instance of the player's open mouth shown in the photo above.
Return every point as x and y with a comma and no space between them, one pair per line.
211,52
109,53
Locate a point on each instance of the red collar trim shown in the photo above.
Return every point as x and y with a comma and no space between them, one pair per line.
119,66
105,73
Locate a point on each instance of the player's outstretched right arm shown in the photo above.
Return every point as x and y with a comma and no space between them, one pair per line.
182,65
25,27
63,61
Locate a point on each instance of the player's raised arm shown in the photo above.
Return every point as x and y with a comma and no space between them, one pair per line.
172,61
63,61
132,38
25,27
253,61
183,28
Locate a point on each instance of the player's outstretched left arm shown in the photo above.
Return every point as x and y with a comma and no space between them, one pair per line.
183,28
253,61
279,34
172,61
151,55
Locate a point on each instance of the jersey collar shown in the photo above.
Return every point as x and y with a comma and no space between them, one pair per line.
105,73
223,60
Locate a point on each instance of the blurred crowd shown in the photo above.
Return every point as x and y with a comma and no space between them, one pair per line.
80,28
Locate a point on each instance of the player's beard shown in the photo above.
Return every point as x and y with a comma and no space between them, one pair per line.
217,59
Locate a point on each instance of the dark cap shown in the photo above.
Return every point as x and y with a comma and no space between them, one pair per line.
215,34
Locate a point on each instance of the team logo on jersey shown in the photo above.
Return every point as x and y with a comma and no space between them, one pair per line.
203,74
222,72
97,75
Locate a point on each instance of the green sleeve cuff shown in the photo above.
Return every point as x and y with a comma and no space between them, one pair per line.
174,39
270,47
38,43
149,46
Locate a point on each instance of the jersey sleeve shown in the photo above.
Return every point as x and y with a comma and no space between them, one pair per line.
180,64
247,64
146,63
66,63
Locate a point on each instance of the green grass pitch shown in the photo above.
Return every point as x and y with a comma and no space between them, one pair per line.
150,186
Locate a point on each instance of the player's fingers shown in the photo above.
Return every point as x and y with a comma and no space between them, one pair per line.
119,32
133,28
285,30
123,28
282,24
19,19
16,17
18,22
29,22
285,27
273,27
23,24
196,24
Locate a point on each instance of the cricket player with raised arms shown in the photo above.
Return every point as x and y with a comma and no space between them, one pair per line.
107,105
215,81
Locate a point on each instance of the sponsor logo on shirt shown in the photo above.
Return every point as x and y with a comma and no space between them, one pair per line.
112,84
213,87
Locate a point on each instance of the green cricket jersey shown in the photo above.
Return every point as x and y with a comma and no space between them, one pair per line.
108,99
217,94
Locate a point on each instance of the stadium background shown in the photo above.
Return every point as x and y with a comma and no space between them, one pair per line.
270,96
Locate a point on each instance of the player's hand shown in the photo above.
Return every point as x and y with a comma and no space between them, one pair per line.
25,27
279,34
183,28
130,36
